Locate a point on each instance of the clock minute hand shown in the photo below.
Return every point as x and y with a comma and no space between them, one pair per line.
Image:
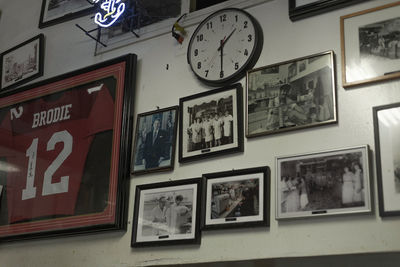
226,39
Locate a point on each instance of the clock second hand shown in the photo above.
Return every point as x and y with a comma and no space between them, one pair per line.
216,52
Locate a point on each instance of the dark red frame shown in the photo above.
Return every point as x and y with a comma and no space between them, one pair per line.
114,215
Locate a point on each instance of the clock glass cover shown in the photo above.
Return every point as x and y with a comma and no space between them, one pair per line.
224,46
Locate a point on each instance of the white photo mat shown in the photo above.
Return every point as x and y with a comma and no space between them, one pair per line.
267,111
252,176
141,222
186,122
389,136
357,69
366,208
20,57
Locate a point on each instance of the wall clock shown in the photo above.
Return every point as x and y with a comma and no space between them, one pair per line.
224,46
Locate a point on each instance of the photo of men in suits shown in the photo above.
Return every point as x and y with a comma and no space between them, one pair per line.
155,139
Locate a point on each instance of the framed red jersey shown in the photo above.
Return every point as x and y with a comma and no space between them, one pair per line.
65,152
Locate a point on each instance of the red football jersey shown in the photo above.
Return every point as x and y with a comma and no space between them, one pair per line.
45,142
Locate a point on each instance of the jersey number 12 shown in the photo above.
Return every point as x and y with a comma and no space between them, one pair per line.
48,188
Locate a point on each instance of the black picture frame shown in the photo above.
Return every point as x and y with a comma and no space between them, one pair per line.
385,119
159,154
317,7
84,171
67,11
28,66
236,198
196,108
303,96
324,183
150,228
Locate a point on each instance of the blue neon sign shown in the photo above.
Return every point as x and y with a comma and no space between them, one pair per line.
113,9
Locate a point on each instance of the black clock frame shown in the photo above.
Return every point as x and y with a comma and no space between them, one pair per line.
253,58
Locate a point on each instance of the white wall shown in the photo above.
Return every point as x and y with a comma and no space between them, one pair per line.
67,48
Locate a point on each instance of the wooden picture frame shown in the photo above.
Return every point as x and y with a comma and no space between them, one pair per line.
291,95
311,8
201,137
66,142
236,198
167,213
323,183
155,141
370,47
386,130
58,11
22,63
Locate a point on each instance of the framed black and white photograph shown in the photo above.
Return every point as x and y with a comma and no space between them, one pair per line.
237,198
323,183
58,11
370,45
155,140
301,9
291,95
167,213
211,123
387,143
22,63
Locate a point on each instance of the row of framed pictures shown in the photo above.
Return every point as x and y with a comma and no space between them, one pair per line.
294,95
334,182
211,124
283,97
308,185
175,212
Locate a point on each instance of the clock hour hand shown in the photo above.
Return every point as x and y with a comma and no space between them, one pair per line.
221,49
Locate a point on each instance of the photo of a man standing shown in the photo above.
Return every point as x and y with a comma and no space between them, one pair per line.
155,146
155,140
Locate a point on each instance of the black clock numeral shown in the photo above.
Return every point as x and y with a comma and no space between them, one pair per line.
199,65
221,74
246,52
196,52
245,24
209,25
236,65
222,18
206,71
250,37
236,18
200,38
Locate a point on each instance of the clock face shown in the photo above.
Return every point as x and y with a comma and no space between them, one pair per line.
224,46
